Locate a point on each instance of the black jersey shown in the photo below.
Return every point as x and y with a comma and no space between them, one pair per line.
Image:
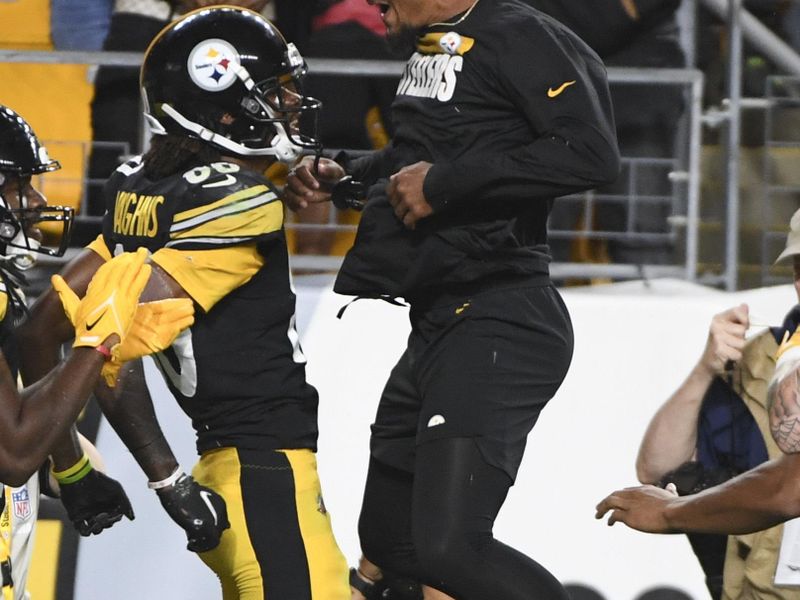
513,110
217,229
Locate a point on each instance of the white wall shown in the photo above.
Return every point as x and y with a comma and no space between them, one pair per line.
633,345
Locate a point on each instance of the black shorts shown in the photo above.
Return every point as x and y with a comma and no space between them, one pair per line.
481,367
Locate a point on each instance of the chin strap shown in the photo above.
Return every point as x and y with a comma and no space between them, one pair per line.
282,149
23,254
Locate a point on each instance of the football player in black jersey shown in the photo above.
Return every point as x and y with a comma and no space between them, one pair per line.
223,98
499,111
33,419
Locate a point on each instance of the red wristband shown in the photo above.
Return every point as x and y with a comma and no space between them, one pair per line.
104,351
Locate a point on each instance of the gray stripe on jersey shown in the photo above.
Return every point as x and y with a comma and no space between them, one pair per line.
236,207
213,241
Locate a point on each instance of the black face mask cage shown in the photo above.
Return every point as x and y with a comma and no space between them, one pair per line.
267,104
65,215
16,221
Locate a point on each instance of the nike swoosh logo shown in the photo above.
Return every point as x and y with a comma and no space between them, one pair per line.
552,93
89,326
206,498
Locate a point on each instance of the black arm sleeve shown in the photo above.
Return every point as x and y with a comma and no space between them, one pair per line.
559,87
370,167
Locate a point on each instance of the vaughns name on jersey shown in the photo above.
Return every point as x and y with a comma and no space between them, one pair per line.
135,215
431,76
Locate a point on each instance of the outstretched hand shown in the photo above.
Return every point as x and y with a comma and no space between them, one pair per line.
642,508
311,183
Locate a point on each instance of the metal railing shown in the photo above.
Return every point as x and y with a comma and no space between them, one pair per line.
685,219
781,187
681,172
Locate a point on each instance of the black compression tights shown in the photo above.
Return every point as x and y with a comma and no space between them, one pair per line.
436,526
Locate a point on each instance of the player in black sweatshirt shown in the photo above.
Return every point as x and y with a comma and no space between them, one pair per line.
499,111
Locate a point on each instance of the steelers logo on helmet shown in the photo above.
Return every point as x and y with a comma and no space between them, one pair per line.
450,42
212,65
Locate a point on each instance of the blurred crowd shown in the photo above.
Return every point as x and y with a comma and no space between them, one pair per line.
626,33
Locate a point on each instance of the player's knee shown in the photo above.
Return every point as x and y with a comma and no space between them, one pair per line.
444,557
445,554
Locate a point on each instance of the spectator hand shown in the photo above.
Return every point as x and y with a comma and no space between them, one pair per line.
726,339
406,196
95,502
200,512
305,185
641,508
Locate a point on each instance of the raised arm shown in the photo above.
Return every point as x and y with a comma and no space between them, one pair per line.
671,436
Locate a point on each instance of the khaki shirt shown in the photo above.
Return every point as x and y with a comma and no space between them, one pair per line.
751,578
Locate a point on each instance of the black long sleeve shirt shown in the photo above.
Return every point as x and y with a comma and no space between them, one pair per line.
513,110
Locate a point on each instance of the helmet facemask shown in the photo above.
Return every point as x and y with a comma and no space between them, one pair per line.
276,113
18,220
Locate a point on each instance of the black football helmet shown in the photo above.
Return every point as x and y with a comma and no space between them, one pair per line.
227,76
22,155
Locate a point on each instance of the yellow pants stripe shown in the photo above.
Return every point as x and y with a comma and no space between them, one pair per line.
298,532
234,560
326,563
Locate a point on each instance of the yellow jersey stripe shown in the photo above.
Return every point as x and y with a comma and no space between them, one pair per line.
238,226
250,192
238,206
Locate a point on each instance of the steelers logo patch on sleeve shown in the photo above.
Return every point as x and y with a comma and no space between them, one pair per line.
212,65
445,43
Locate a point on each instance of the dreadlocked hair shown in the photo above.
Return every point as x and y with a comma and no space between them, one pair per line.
171,153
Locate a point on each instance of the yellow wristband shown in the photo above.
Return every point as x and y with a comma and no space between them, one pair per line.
74,473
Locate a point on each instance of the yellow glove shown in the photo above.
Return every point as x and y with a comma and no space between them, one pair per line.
155,326
111,299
